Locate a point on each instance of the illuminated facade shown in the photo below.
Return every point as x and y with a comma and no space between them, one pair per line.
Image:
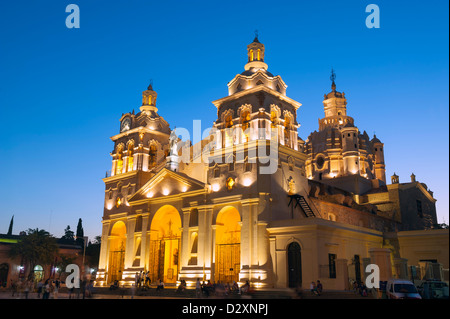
225,218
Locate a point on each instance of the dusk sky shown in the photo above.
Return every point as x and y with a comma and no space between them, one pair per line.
63,91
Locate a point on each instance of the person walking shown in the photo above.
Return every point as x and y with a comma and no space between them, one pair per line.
47,289
27,288
39,288
55,290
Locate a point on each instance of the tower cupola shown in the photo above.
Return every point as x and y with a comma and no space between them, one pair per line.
255,52
149,100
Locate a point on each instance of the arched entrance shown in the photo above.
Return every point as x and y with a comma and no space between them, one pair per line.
165,235
38,273
117,243
294,257
228,245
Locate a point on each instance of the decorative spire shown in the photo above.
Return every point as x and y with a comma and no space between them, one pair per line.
332,78
256,37
150,86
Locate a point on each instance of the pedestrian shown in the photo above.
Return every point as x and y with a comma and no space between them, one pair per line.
39,288
319,287
147,279
235,287
27,288
47,289
312,287
136,278
355,286
198,288
160,285
55,290
83,288
90,289
71,290
133,290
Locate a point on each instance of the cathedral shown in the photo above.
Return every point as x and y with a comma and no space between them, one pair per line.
255,202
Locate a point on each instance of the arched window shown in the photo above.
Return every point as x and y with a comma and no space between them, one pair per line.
130,155
259,55
251,55
119,164
228,121
152,156
38,272
287,128
273,118
245,120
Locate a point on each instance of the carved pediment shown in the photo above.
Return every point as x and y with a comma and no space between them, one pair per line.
167,183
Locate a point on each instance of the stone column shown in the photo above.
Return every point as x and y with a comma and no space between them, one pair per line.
273,257
246,241
341,274
113,169
185,239
263,253
382,258
213,251
144,242
205,245
129,248
401,265
104,250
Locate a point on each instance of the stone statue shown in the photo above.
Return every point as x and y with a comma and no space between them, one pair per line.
173,143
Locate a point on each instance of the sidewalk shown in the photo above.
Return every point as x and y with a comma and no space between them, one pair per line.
190,294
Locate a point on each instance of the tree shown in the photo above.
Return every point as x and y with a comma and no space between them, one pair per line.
80,234
35,247
93,252
10,226
69,236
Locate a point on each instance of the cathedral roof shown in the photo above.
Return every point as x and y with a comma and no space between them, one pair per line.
375,139
252,71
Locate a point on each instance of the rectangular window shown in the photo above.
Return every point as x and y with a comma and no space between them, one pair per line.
332,265
419,208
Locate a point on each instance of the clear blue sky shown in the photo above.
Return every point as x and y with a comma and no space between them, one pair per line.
62,91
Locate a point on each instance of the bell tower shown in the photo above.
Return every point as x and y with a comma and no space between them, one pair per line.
335,108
